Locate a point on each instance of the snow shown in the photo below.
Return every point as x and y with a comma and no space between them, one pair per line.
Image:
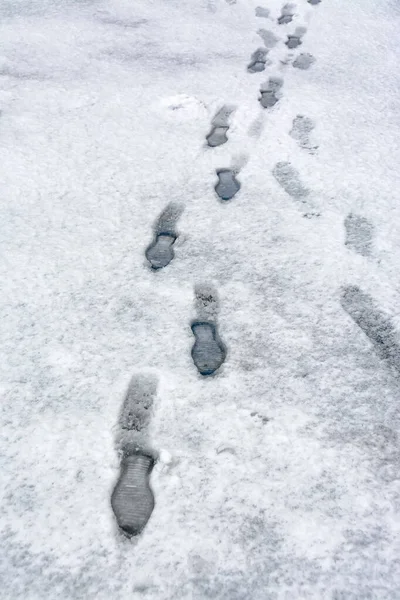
278,477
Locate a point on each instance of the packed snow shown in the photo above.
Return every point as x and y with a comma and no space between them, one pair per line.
279,476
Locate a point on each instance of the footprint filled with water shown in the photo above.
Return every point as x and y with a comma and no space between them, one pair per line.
227,186
373,322
132,499
208,351
220,127
160,252
271,92
359,234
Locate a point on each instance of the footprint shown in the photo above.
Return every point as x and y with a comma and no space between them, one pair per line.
294,40
270,92
301,130
262,12
270,40
287,14
304,61
227,186
132,500
160,252
258,60
359,234
374,323
208,352
220,126
289,179
313,2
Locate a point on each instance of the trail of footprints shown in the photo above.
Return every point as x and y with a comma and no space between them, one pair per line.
132,500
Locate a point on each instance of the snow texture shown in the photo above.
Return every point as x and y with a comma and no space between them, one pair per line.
278,477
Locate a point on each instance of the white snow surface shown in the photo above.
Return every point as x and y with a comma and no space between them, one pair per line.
105,106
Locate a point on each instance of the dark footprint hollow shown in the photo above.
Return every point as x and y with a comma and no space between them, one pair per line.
287,14
270,92
208,352
373,322
160,252
359,234
219,127
132,499
227,186
258,60
313,2
303,61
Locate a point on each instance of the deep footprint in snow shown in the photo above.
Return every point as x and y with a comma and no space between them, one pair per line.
227,186
373,322
304,61
160,252
262,12
270,92
359,234
301,130
258,61
294,40
208,351
219,127
287,14
132,500
289,179
270,40
313,1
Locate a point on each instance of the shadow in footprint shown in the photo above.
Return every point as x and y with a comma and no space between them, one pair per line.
313,2
301,130
373,322
227,186
270,40
132,500
219,127
359,234
287,14
208,351
289,179
294,40
262,12
160,252
271,92
258,61
303,61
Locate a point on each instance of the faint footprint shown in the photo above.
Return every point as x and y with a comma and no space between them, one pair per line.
258,61
220,126
227,186
132,499
359,234
270,40
256,127
294,40
289,179
304,61
287,14
262,12
208,352
374,323
270,92
301,130
160,252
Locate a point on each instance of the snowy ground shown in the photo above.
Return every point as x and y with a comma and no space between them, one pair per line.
280,476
